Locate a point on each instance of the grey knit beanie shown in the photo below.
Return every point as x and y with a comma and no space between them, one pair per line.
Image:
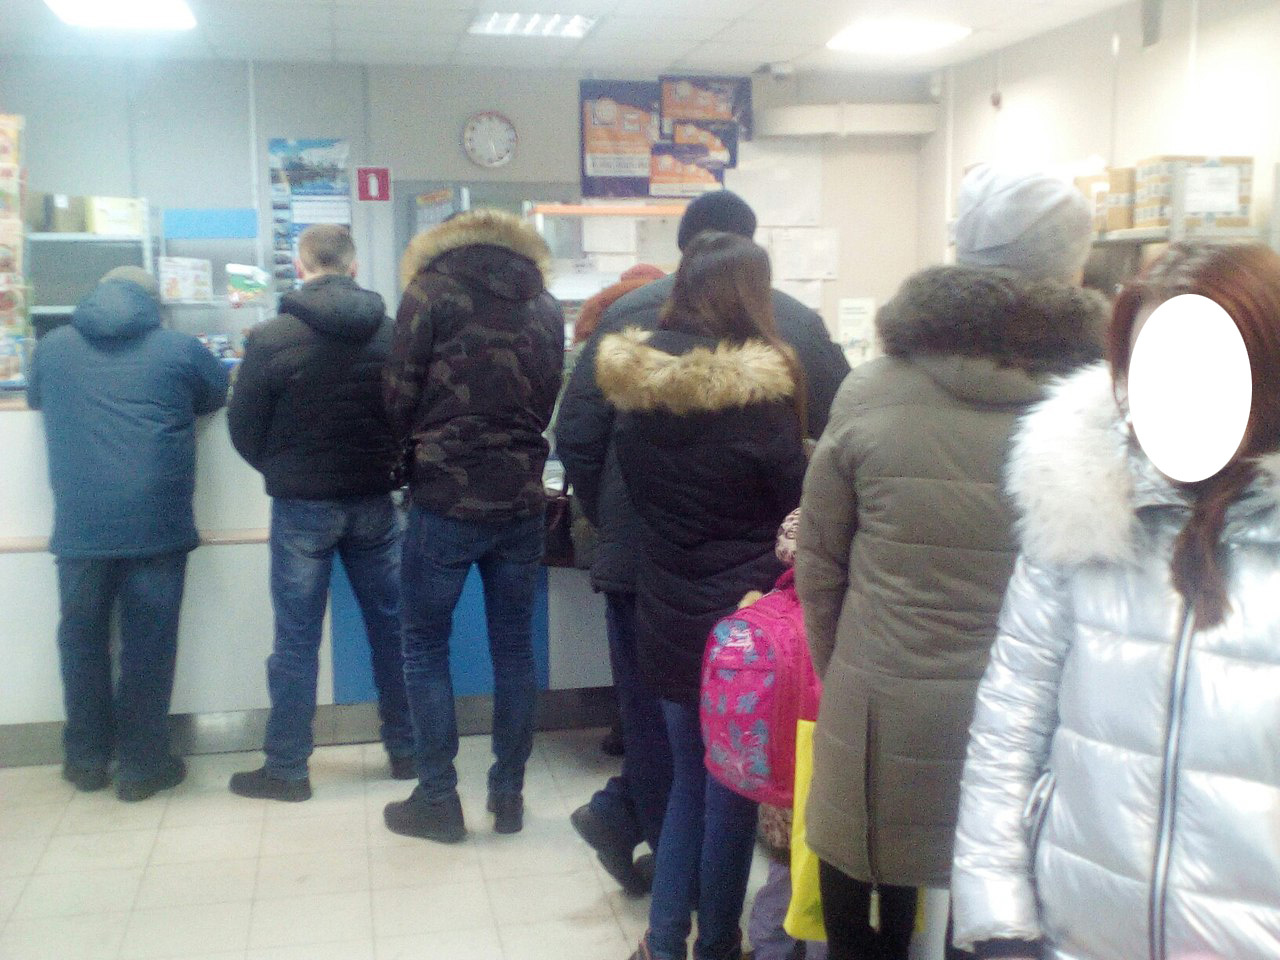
135,275
1029,223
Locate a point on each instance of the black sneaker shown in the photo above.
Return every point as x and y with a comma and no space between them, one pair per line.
614,852
261,785
508,812
132,791
404,768
438,820
611,745
86,779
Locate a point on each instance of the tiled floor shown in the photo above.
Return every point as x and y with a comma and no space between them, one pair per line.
198,874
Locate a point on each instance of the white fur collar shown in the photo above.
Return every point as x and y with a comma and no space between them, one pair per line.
1075,483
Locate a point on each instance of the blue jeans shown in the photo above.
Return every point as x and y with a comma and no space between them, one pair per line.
133,722
704,856
305,534
438,554
635,802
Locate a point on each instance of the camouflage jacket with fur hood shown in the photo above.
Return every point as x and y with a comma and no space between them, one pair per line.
475,366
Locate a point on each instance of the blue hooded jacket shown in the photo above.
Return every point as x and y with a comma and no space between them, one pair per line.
120,398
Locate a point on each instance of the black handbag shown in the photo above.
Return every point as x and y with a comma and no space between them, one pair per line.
559,529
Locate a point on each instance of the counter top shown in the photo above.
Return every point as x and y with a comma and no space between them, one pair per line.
208,538
10,402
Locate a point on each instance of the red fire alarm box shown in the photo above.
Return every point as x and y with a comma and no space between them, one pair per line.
373,183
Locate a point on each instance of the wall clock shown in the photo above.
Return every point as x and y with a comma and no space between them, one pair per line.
489,139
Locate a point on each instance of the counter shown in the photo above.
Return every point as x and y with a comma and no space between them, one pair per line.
227,626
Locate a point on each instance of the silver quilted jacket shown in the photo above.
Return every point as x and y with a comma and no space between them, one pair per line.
1121,795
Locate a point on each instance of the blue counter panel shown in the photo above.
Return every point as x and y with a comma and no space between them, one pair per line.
468,646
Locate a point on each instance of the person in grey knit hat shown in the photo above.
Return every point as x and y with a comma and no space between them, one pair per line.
135,275
1032,224
905,544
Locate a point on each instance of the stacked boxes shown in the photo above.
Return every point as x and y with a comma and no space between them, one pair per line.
1094,188
1219,191
185,279
116,215
1121,183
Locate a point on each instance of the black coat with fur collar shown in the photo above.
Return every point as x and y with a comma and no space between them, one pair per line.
711,453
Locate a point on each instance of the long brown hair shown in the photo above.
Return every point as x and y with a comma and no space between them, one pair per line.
723,290
1245,281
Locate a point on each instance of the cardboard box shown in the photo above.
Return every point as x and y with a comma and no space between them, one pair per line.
122,216
64,213
1094,188
34,215
1219,191
1121,189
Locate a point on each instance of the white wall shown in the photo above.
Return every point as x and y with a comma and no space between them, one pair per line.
1211,86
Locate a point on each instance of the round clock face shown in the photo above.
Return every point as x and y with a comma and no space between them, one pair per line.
490,139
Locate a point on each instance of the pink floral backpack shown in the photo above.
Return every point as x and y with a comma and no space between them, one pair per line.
757,681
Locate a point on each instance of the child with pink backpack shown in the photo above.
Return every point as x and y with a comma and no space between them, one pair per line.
757,681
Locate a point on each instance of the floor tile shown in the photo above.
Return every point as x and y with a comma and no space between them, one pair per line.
423,864
632,914
220,806
553,849
212,841
30,821
27,786
414,910
10,893
102,813
345,950
19,857
307,920
571,896
313,834
120,850
587,939
186,931
72,894
327,800
95,936
482,943
199,882
312,874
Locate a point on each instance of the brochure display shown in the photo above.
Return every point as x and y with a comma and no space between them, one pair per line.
310,183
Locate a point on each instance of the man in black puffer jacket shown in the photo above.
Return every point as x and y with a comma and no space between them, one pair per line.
307,413
629,809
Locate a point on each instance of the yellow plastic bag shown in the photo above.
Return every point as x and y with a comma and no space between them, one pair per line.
804,914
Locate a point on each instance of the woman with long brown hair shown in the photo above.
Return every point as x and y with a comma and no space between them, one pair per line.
1121,796
709,440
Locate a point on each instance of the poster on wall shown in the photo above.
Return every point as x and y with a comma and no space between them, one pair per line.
310,183
619,129
720,105
680,170
437,206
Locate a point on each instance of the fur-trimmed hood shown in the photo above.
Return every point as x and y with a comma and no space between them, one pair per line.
1078,480
1041,326
492,228
635,376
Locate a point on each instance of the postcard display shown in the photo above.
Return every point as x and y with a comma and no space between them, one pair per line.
673,138
13,298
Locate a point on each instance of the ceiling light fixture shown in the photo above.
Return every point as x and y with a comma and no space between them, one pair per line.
124,14
560,25
897,38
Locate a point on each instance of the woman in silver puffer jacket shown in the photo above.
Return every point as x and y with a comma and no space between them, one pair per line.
1121,796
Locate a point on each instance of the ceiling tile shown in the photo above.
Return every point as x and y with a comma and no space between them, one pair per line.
643,29
655,10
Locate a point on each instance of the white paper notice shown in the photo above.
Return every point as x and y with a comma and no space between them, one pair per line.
856,328
781,181
609,234
808,292
805,253
1213,189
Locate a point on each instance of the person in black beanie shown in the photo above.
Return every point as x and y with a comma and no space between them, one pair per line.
629,809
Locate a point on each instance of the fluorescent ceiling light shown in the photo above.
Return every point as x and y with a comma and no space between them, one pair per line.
568,26
897,38
124,14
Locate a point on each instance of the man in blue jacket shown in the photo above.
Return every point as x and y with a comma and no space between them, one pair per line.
120,398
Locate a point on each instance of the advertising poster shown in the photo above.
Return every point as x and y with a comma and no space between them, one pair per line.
619,129
677,170
706,101
310,183
431,209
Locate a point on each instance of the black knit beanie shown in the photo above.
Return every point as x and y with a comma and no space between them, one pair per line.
719,210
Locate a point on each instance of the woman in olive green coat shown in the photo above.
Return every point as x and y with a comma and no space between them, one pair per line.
906,543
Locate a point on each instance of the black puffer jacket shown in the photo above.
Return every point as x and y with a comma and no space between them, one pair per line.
586,420
307,408
710,451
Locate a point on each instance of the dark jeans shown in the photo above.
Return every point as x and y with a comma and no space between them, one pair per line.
635,802
704,856
305,534
133,722
438,554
